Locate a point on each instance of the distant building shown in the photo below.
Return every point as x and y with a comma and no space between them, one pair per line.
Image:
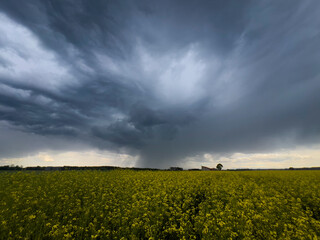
203,168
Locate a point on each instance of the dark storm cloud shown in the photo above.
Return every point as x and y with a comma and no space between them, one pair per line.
16,143
163,79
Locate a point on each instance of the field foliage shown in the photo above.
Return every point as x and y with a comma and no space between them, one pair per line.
124,204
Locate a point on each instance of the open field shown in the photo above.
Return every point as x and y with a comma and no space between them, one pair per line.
124,204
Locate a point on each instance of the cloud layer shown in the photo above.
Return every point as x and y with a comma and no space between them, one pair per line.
162,80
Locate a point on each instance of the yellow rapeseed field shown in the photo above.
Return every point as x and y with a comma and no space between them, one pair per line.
124,204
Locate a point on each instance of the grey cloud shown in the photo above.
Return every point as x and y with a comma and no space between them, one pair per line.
258,89
16,143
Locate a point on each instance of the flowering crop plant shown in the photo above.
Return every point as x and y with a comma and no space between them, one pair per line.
127,204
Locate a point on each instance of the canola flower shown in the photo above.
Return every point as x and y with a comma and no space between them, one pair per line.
124,204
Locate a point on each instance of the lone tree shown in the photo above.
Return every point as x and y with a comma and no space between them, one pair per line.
219,166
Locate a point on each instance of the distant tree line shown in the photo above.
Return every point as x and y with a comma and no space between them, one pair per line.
66,168
11,167
107,168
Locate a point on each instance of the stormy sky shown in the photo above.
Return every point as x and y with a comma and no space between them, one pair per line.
160,83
